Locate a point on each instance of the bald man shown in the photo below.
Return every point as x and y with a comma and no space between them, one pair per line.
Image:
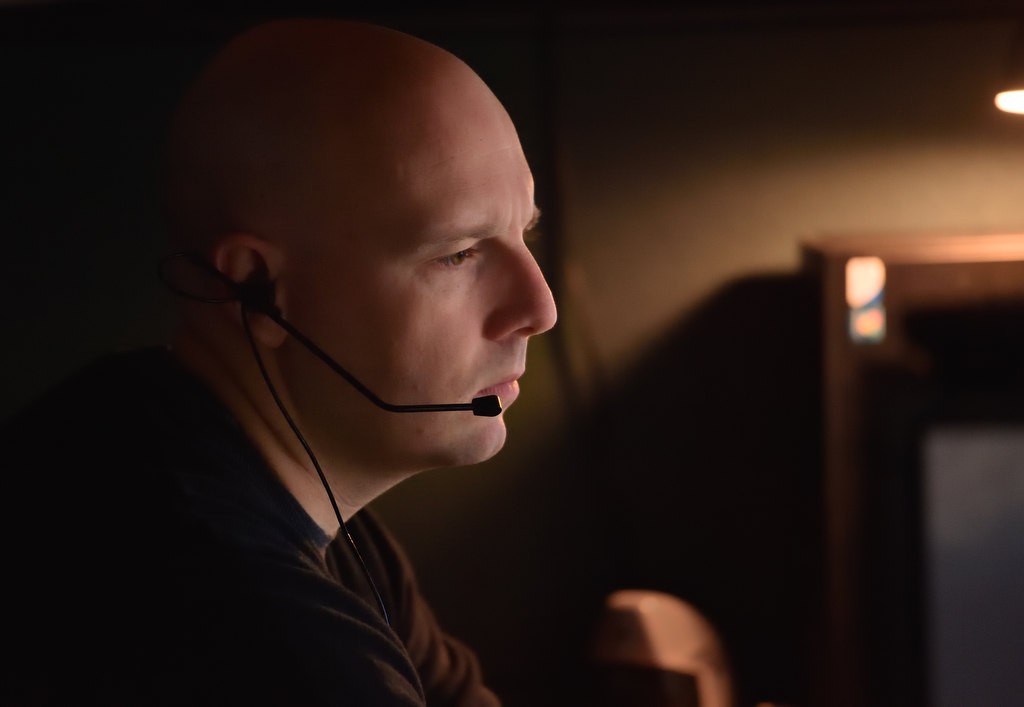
347,207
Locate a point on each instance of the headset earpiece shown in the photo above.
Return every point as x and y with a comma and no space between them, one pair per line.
258,294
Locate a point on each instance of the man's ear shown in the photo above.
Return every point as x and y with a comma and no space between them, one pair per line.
245,258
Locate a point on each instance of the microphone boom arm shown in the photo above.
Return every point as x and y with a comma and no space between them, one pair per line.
259,297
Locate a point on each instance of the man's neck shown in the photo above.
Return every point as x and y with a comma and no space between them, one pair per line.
236,381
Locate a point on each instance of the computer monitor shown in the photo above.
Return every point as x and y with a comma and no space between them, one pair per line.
923,468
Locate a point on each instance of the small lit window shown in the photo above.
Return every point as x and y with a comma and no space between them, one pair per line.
865,298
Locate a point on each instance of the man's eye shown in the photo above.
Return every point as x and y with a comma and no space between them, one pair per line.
457,259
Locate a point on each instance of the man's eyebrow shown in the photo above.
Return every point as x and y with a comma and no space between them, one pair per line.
533,221
458,236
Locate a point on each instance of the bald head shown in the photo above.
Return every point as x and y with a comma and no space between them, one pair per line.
377,183
297,119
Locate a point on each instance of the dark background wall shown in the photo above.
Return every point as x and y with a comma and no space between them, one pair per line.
668,433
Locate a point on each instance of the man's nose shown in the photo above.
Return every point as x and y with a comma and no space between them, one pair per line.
526,306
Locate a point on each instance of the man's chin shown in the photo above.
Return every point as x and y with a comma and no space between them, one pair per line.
480,447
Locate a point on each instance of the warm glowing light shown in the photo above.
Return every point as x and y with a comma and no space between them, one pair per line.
1011,101
869,324
865,296
865,280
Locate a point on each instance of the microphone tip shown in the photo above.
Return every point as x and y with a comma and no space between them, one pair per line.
487,406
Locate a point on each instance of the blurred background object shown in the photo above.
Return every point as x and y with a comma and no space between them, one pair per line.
651,649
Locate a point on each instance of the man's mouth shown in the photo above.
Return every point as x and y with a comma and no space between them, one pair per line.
507,390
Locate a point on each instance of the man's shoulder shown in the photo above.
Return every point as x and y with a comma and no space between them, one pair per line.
162,567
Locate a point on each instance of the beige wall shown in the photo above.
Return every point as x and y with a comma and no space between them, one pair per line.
694,156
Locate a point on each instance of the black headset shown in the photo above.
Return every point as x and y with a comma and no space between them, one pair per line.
257,295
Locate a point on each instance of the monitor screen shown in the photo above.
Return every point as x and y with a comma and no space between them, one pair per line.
972,490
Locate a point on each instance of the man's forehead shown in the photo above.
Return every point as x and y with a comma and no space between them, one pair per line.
424,148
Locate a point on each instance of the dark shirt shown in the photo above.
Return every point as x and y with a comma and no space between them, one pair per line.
152,558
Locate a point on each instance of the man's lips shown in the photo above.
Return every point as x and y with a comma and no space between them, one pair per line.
507,390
